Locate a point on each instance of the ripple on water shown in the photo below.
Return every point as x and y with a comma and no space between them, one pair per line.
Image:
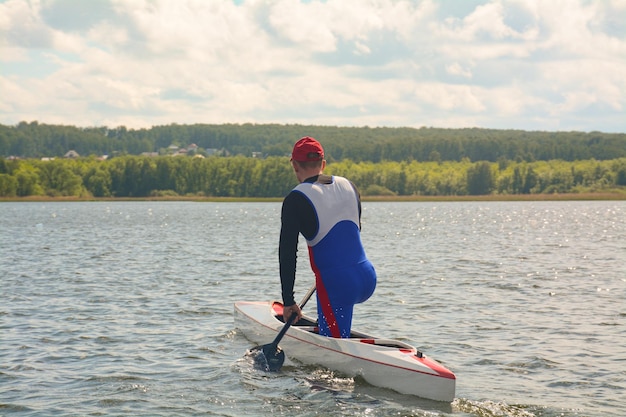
126,309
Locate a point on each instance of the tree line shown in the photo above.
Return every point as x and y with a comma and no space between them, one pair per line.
358,144
239,176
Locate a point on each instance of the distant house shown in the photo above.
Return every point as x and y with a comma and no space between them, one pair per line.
151,154
72,154
257,154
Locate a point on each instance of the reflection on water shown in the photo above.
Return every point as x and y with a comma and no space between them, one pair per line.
126,308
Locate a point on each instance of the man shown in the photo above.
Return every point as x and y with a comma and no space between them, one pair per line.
327,212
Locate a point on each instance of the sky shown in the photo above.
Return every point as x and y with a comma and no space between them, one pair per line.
535,65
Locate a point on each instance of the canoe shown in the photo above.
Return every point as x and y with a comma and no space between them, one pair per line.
381,362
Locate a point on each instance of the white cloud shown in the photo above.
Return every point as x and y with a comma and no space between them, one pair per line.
456,69
303,25
522,64
463,98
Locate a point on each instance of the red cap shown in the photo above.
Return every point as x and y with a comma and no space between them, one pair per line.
307,149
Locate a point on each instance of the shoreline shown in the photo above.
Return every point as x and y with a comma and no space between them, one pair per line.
612,196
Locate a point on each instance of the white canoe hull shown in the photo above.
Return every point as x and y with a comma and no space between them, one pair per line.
384,363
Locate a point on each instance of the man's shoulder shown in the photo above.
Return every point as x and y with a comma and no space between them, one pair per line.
294,197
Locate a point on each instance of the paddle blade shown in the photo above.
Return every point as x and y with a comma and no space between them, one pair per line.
267,357
274,356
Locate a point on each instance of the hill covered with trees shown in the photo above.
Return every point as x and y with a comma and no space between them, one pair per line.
35,140
253,161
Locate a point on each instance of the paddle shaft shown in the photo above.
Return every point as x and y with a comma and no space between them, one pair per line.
290,320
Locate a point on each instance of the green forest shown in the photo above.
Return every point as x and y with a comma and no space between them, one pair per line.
35,140
239,176
253,161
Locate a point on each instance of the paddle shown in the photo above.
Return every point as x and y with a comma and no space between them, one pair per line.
273,354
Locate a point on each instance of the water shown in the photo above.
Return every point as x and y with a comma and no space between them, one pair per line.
126,308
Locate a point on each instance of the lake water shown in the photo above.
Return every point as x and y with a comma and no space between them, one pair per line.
126,308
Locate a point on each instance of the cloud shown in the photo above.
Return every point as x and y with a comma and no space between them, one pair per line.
512,64
456,69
